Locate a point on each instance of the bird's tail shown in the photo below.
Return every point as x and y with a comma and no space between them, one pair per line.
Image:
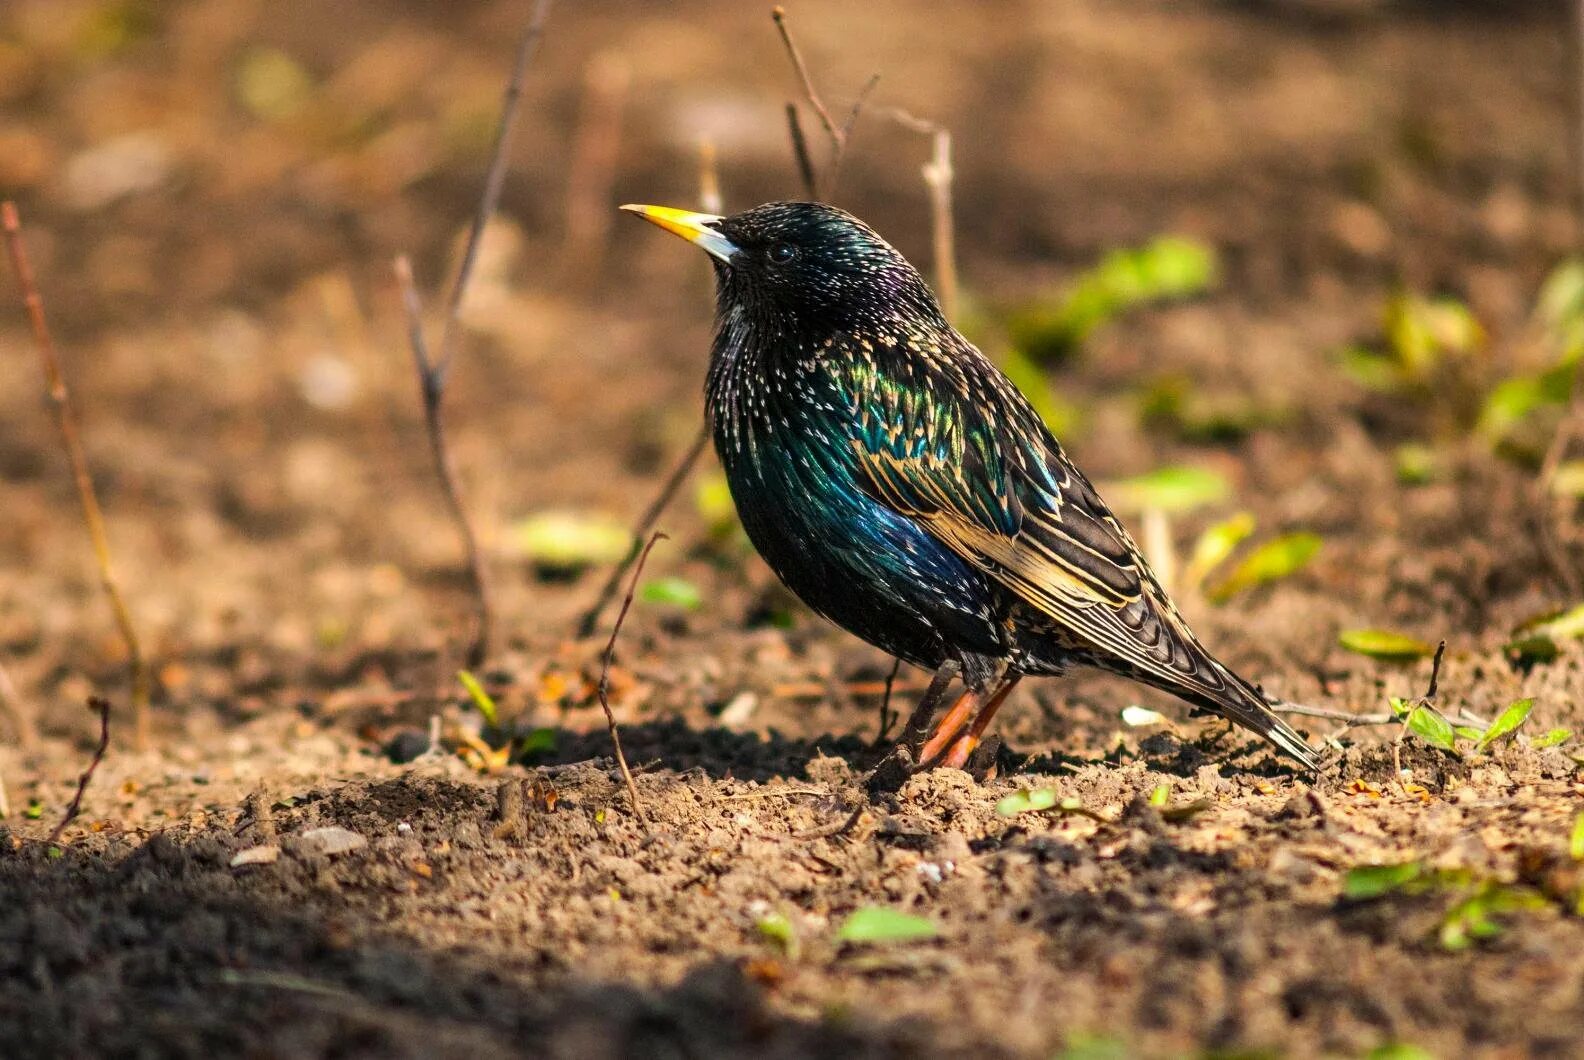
1242,703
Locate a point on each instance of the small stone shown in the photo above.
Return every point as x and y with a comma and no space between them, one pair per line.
406,746
333,840
261,855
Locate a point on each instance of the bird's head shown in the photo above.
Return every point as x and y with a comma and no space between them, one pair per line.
802,266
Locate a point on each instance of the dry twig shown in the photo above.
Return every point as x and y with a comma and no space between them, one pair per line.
102,707
646,523
837,134
605,666
433,371
93,516
938,177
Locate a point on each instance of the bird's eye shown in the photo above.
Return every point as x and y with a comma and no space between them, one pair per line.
782,253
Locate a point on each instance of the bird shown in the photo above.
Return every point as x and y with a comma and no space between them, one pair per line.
902,487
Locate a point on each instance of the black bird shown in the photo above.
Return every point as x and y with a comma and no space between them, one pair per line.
902,487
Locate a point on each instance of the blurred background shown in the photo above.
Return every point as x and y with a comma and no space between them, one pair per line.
1362,202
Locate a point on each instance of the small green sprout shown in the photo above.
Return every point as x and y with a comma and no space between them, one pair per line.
672,591
880,925
1215,546
1168,268
1278,558
481,699
1169,489
779,930
1506,723
1385,644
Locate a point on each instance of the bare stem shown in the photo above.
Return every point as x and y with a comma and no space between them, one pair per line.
800,152
93,516
605,666
837,134
102,707
433,372
939,177
646,523
432,385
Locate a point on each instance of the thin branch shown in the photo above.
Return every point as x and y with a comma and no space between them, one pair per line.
605,666
846,132
887,717
16,712
432,372
837,134
432,385
93,516
1462,716
103,708
939,177
778,16
494,180
646,522
800,152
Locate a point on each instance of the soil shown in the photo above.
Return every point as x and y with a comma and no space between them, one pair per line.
237,354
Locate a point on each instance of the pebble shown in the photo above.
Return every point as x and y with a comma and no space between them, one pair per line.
333,840
262,855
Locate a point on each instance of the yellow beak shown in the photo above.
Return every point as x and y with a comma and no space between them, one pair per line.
696,228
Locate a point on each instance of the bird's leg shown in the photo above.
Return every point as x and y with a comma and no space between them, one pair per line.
949,726
957,754
918,723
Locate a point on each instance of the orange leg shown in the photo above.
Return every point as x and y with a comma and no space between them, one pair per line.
957,755
949,727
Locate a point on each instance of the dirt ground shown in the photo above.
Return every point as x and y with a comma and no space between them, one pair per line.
214,226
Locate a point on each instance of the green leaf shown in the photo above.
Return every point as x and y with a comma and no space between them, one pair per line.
878,924
778,928
1552,738
1272,561
1384,644
271,85
713,500
1216,544
1576,840
1024,800
569,541
1513,400
1568,479
1415,464
1506,723
673,592
1169,489
1094,1047
1560,308
538,742
1370,369
1399,706
35,810
1373,881
1167,268
1426,722
1159,795
1537,640
1398,1051
481,699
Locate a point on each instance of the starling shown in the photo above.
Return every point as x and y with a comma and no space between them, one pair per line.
903,488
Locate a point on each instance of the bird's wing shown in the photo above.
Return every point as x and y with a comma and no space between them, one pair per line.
975,465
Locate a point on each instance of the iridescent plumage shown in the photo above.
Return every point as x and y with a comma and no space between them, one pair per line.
901,486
